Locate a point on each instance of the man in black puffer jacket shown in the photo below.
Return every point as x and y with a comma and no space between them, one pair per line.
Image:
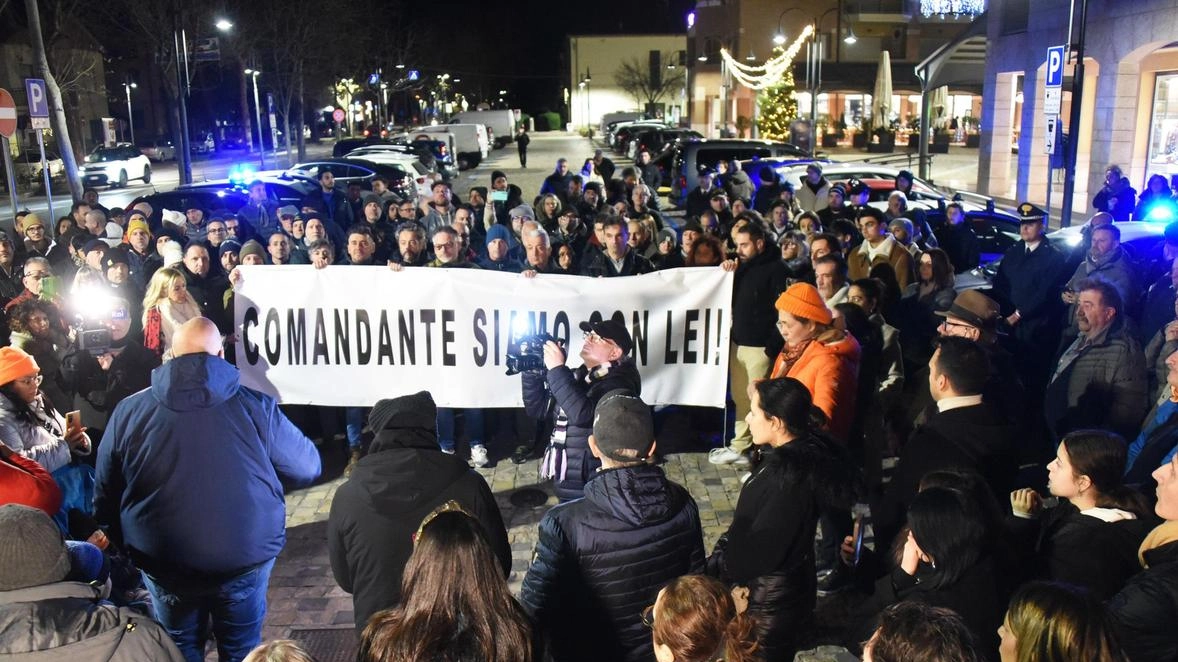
404,477
568,397
600,560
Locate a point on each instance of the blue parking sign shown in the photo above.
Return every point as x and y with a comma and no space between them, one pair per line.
1055,66
38,99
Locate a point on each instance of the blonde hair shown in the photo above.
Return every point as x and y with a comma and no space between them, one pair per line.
157,290
279,650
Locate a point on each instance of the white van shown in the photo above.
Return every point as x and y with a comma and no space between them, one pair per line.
471,144
502,122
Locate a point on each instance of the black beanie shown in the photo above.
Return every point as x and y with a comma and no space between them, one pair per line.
408,411
496,174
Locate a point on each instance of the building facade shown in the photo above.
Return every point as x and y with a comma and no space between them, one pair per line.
1129,104
598,65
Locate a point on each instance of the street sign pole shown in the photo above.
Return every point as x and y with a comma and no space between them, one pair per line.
1052,104
45,172
7,130
8,168
1069,180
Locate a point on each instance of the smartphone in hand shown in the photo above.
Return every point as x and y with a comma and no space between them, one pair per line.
857,544
73,420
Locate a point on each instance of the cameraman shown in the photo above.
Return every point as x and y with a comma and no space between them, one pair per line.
566,399
103,380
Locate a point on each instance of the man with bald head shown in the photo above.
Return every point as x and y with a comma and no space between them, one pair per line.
190,480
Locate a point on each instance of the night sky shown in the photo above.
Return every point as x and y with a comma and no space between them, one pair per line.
519,46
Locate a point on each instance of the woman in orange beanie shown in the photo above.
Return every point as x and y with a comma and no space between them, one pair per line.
819,355
27,425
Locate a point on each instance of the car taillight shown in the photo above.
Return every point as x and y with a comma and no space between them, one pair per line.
682,183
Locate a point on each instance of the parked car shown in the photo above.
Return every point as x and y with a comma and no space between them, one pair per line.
620,140
422,176
500,123
693,157
158,149
202,144
226,196
348,170
28,165
115,166
345,145
657,140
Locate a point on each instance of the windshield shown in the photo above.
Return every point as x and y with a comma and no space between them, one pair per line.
104,156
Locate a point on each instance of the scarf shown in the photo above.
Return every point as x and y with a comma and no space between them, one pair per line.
788,357
1164,534
172,315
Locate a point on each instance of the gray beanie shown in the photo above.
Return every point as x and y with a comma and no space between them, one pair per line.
32,552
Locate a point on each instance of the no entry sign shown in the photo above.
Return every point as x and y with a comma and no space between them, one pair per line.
338,115
7,114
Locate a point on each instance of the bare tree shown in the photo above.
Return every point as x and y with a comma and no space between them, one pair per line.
57,118
635,78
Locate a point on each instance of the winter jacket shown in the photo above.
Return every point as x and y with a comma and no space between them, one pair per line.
1114,269
740,187
829,368
1100,384
575,394
698,201
1143,614
811,197
599,265
42,439
600,560
339,212
1066,545
191,472
1120,200
129,372
1155,446
860,261
70,621
961,245
1158,309
48,354
769,547
375,513
755,287
25,482
979,438
1030,283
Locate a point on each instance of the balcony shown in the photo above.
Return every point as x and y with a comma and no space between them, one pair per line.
879,11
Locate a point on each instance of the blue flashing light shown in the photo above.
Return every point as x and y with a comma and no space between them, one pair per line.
242,174
1162,212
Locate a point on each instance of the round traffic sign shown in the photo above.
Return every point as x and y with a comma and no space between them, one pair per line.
7,114
338,115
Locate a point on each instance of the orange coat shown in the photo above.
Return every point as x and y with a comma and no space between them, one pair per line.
829,368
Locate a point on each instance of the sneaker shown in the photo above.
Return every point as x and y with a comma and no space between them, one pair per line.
448,451
726,455
478,456
352,460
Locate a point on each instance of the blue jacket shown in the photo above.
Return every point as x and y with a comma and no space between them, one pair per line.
191,472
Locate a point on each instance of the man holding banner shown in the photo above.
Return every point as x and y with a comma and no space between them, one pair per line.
571,396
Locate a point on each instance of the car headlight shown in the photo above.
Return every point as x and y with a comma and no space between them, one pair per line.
1074,240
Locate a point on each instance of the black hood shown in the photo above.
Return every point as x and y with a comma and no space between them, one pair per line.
408,412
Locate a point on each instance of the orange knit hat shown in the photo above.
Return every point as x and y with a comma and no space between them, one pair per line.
16,363
803,300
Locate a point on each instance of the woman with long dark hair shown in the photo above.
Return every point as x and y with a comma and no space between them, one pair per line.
455,604
1091,538
769,547
945,562
37,329
694,619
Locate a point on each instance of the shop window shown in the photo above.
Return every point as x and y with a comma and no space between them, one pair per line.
1163,126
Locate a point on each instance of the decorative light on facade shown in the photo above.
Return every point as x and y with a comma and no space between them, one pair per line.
957,8
763,76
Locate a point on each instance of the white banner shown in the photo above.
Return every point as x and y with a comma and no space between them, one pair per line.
349,336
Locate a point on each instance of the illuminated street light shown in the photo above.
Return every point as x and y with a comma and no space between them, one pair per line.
224,25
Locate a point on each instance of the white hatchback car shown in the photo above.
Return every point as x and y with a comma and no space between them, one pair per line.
114,166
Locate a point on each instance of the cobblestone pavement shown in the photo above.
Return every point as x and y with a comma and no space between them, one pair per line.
304,595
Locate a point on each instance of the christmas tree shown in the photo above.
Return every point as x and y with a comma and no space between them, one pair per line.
777,107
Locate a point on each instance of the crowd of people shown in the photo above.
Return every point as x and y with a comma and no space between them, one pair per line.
1030,512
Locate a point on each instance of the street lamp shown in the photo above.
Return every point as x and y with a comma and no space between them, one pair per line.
254,73
180,44
779,37
850,39
128,86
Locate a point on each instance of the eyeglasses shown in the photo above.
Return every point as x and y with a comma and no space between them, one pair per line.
648,616
35,380
216,230
947,323
448,244
37,275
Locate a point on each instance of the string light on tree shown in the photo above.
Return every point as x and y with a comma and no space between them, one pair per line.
763,76
956,8
777,108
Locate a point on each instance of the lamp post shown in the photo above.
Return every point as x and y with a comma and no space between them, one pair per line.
779,36
128,86
180,44
815,52
588,79
254,73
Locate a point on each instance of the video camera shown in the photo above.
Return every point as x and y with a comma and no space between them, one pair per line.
529,354
94,313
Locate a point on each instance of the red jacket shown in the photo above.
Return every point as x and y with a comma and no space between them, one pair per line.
25,482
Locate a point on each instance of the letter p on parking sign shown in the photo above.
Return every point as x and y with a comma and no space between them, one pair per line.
1055,66
38,100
